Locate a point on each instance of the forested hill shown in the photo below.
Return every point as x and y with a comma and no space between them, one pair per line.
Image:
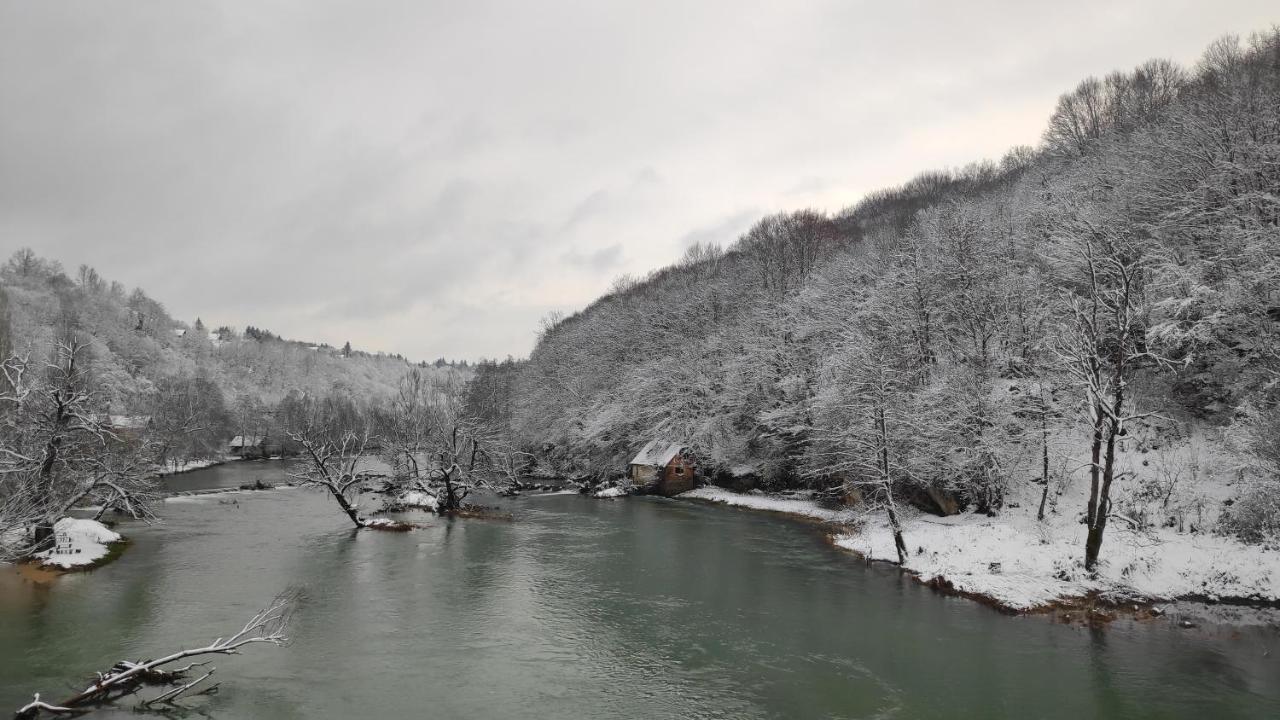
136,347
939,325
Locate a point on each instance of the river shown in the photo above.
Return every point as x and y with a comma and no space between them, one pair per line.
581,608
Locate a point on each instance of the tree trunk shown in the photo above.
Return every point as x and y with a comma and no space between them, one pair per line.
1044,469
898,542
347,507
1093,543
449,503
1095,457
43,533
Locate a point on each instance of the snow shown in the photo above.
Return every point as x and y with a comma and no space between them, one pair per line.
1022,563
552,493
172,468
1040,563
420,499
382,523
612,492
757,500
179,499
79,542
657,453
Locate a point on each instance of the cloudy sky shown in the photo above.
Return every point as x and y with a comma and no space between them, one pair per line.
431,178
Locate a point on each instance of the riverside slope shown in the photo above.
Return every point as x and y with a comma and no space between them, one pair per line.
1023,565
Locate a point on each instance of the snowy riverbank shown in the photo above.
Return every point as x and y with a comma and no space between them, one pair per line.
772,503
79,544
1022,564
187,466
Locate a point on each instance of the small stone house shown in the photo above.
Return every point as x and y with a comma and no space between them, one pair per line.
666,468
241,445
125,427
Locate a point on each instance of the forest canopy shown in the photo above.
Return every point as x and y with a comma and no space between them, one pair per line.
956,334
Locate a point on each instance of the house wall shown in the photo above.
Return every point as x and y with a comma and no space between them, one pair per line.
642,474
677,477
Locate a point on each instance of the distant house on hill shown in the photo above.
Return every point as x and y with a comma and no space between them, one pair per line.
242,444
126,422
131,427
666,468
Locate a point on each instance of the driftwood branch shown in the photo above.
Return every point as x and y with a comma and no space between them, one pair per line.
176,692
128,677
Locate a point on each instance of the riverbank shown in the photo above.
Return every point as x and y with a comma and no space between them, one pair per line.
1019,564
86,544
191,466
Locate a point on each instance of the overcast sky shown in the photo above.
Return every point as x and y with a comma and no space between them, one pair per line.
432,178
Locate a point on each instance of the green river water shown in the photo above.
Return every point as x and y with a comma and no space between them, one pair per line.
581,608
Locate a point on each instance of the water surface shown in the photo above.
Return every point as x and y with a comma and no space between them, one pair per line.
580,608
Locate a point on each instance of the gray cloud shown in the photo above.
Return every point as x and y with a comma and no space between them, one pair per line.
595,260
431,178
723,232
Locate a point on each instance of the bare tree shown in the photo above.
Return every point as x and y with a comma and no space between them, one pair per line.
786,247
189,420
1101,347
56,452
335,437
1121,102
436,448
1079,119
457,464
866,428
407,426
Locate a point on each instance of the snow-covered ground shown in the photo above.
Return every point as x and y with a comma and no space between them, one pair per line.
419,499
774,503
172,468
611,492
1022,563
79,543
384,523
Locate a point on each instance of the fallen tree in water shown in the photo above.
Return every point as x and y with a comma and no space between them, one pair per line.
128,677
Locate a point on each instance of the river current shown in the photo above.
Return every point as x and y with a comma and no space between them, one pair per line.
582,608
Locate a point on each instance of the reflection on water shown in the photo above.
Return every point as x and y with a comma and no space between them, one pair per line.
643,608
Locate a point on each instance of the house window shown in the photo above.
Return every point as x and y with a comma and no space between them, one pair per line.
679,469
